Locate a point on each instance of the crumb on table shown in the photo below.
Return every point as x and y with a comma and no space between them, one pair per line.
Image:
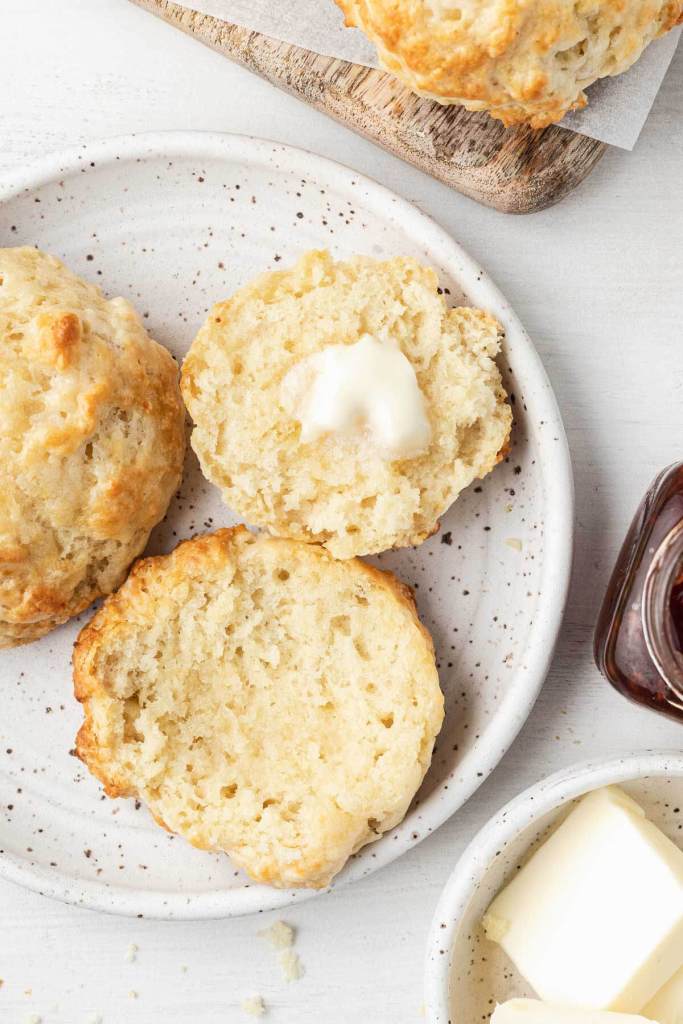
254,1006
280,935
292,968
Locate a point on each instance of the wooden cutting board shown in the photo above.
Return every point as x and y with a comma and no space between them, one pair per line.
516,170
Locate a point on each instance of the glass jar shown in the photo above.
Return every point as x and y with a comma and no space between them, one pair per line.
639,636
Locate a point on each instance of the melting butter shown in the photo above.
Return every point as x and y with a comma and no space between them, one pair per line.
367,390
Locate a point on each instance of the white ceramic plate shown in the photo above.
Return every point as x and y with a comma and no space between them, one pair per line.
466,975
175,221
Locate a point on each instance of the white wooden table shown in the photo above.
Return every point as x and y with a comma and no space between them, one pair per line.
598,281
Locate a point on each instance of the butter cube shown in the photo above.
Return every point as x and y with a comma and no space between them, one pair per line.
530,1011
595,918
667,1005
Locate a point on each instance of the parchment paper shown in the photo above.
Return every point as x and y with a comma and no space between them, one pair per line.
617,109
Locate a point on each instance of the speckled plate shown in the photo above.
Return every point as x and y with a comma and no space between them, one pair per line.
175,221
466,975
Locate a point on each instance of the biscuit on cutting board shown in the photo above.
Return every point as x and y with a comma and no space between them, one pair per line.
525,62
340,492
263,699
92,437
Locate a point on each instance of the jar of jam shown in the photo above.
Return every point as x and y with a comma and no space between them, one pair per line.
639,636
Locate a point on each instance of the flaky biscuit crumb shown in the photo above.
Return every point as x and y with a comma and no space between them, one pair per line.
254,1006
290,964
280,935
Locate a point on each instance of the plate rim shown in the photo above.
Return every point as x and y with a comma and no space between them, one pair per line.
558,523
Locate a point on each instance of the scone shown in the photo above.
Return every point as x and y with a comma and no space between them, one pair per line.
340,488
524,62
91,442
263,699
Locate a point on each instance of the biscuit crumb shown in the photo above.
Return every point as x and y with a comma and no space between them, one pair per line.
132,994
280,935
34,1018
514,542
254,1006
131,953
94,1018
292,968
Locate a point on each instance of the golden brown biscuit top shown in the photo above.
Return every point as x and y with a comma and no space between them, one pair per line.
523,60
91,433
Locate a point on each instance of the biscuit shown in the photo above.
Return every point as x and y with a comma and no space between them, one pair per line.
263,699
92,441
526,63
339,494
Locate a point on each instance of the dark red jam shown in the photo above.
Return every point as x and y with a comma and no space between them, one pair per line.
676,607
639,636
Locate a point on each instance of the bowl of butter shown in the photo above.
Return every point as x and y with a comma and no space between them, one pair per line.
567,908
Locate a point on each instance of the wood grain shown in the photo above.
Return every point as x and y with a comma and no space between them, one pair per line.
516,170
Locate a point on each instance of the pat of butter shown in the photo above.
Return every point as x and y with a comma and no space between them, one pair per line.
367,390
595,918
667,1005
530,1011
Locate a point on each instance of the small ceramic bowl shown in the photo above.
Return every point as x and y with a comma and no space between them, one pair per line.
466,975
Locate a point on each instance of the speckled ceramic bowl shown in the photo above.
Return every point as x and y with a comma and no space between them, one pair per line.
174,222
466,975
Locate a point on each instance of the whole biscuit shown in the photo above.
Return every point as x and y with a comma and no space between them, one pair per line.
263,699
91,442
525,62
